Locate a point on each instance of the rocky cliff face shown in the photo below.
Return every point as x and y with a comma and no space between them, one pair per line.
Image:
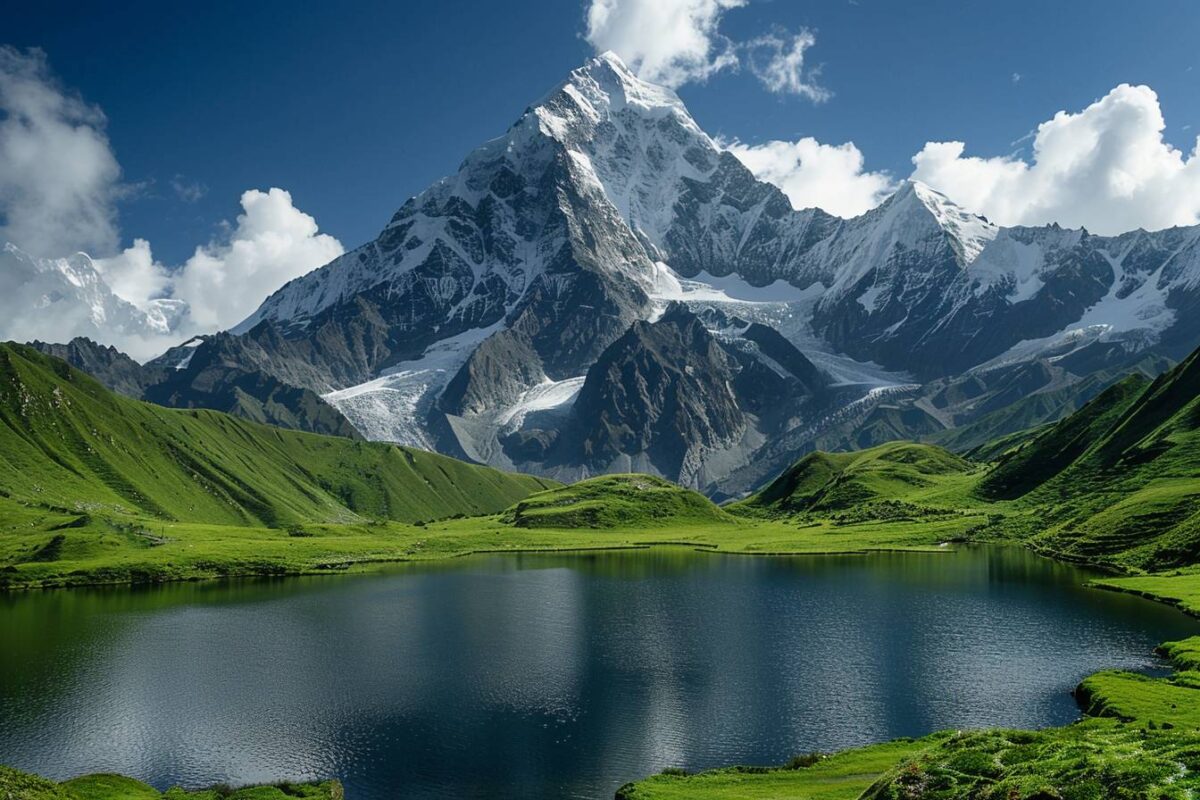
675,398
662,394
204,373
110,366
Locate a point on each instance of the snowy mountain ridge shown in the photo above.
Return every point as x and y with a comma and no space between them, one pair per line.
503,283
559,303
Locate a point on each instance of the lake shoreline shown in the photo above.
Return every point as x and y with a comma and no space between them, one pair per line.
378,565
89,578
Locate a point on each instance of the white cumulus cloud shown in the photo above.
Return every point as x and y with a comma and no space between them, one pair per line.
670,42
58,176
1106,168
134,275
812,174
271,243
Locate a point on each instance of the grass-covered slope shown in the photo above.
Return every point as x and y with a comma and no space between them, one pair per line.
15,785
1185,654
616,501
843,776
1058,447
1118,481
69,444
1013,419
1141,740
1022,408
1097,759
899,478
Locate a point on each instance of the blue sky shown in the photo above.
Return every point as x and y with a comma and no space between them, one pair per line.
355,109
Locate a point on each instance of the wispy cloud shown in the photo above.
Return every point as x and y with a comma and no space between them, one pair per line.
777,59
189,191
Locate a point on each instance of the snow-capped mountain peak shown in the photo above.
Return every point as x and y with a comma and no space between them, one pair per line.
969,232
634,138
603,130
605,86
503,285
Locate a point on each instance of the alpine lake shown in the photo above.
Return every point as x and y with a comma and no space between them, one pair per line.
551,675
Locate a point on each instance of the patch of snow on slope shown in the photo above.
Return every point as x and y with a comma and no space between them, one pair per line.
732,288
543,397
191,345
778,305
1143,309
1141,316
1063,342
1015,264
870,297
393,408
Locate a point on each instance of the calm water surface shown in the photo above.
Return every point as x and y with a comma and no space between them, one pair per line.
550,676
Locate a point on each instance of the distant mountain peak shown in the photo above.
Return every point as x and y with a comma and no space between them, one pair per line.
58,298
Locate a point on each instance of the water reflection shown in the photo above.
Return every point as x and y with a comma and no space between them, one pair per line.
550,676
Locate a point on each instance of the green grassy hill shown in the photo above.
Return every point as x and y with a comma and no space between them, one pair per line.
898,478
1061,445
1118,481
68,444
1022,413
616,501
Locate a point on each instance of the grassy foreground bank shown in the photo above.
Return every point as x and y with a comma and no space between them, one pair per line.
1140,740
16,785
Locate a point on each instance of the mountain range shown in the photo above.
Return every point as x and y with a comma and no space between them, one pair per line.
604,288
